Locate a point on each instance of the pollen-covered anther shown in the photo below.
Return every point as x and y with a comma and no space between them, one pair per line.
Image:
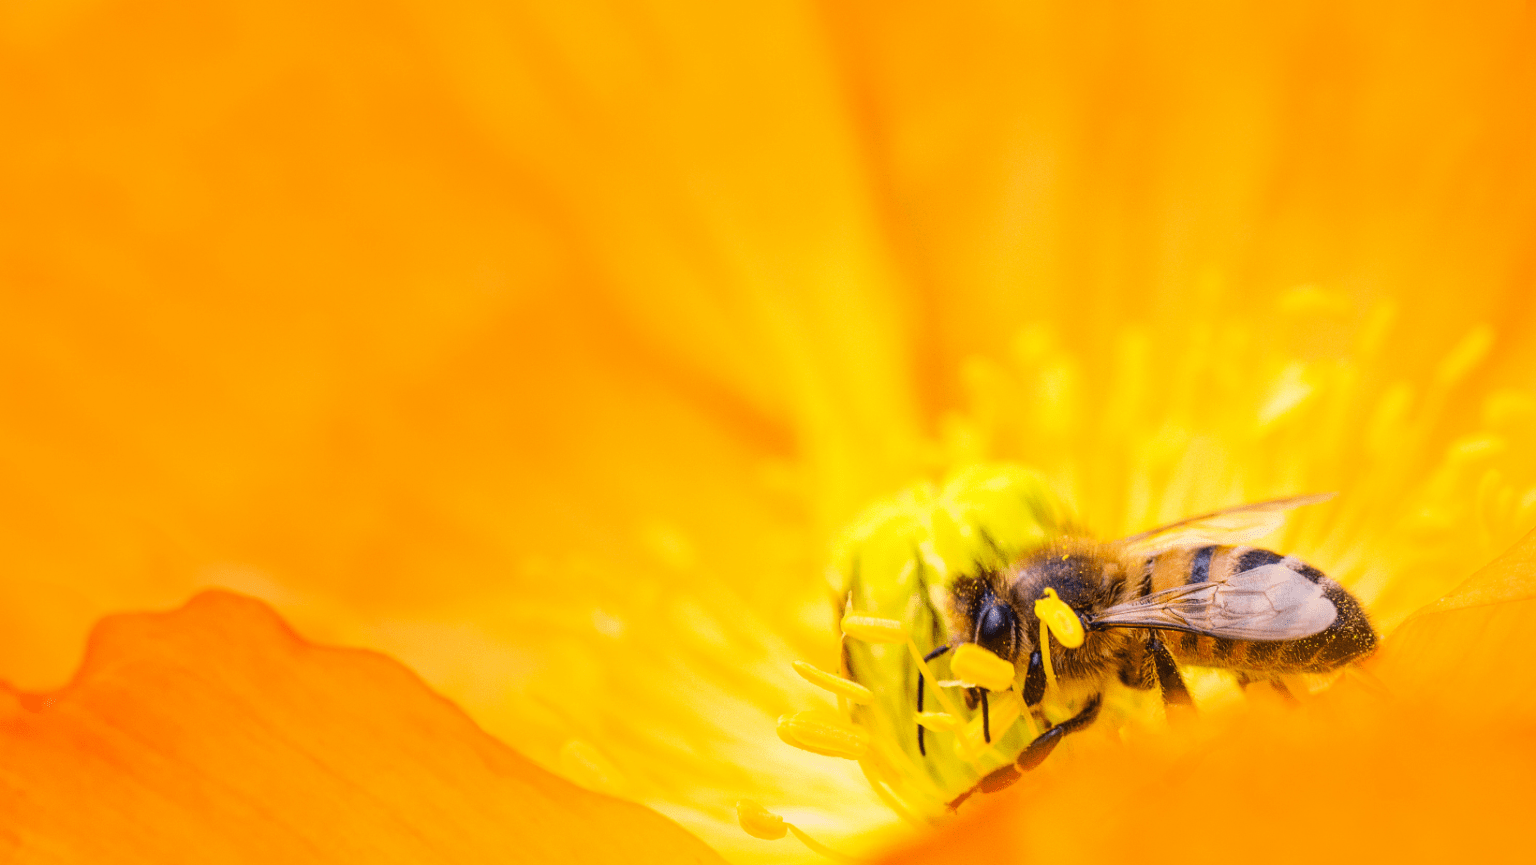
977,665
941,722
838,685
824,734
1054,613
759,822
873,629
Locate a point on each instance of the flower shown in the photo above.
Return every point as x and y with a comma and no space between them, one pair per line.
548,348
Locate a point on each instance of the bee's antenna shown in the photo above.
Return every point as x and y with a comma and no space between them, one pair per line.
921,749
986,718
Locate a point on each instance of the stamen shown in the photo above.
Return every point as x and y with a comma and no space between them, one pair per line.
836,684
1045,656
975,664
1004,710
822,734
1060,618
873,629
1465,356
816,846
938,684
941,722
759,822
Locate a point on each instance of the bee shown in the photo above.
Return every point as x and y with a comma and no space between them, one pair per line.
1185,593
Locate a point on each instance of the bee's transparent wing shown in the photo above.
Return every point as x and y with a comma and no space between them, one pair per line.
1237,525
1271,602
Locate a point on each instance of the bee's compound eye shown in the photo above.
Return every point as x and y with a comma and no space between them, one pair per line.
994,630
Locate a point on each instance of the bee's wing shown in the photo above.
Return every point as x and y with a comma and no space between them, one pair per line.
1271,602
1237,525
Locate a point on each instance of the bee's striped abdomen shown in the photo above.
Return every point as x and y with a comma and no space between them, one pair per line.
1349,637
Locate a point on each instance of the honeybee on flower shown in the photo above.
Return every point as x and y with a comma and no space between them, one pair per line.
990,572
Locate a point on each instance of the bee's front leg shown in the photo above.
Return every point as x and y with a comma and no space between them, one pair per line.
1034,753
1034,681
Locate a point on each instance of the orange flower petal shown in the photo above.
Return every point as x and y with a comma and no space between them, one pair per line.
1472,651
213,734
1438,768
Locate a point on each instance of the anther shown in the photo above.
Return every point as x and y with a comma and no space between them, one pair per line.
822,734
1054,613
759,822
942,722
975,664
836,684
873,629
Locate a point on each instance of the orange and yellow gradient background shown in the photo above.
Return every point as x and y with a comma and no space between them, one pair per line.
509,339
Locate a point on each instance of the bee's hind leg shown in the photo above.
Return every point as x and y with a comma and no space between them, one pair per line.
1035,753
1168,678
1244,680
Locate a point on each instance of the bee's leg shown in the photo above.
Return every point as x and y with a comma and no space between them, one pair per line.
1136,668
1284,691
1034,680
1167,672
922,749
1244,680
986,718
1046,742
1035,753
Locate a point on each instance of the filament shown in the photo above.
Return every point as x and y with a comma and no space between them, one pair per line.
1045,656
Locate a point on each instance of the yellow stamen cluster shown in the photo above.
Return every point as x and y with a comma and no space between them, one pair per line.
873,629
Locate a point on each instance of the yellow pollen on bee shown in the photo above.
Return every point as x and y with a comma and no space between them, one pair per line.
977,665
823,734
942,722
1054,613
838,685
873,629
